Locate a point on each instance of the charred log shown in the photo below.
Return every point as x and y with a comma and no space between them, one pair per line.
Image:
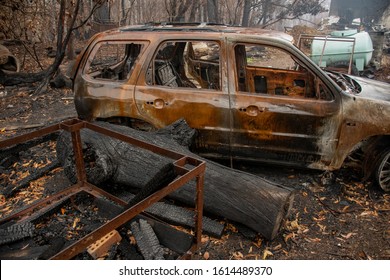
147,240
233,194
16,232
55,246
169,213
13,79
61,81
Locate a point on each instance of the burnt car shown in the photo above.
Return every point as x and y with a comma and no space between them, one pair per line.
250,93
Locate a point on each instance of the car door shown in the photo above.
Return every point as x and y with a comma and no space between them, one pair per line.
281,111
106,85
187,79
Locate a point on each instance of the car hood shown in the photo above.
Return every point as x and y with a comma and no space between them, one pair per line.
372,89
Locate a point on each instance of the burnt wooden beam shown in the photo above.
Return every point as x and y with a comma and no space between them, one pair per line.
168,236
236,195
147,241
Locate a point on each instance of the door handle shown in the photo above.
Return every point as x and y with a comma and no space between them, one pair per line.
157,103
251,110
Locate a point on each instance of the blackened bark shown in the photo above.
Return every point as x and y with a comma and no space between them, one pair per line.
233,194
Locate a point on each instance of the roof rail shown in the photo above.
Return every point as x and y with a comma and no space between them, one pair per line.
175,26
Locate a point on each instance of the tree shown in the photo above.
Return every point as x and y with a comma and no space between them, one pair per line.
33,21
176,12
246,13
264,13
212,11
64,33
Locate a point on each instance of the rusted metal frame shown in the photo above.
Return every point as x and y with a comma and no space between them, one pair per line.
179,168
323,50
99,193
179,164
199,209
74,126
80,245
29,136
79,158
42,204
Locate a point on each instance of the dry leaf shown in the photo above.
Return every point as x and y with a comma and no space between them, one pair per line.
369,213
5,209
63,211
76,220
206,255
347,236
310,240
255,256
231,227
277,247
258,242
294,224
132,240
205,239
238,255
288,236
322,227
27,163
267,253
250,250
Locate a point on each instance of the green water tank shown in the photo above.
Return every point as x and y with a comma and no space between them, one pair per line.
338,51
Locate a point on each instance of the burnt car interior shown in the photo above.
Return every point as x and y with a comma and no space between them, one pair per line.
269,70
187,64
114,61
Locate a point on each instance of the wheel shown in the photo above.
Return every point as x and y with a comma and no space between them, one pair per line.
382,170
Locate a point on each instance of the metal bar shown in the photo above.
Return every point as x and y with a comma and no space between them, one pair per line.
28,136
79,158
46,202
351,58
195,169
199,209
80,245
323,50
99,193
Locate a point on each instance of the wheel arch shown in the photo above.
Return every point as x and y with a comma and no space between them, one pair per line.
372,149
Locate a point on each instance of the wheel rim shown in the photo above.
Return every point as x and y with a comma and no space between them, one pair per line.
384,173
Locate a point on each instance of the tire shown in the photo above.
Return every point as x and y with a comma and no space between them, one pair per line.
382,170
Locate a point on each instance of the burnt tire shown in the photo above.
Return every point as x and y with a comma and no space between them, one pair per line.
382,170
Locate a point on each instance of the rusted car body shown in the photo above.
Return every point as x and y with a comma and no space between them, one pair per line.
250,93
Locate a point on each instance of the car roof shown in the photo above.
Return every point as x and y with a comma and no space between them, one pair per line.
191,28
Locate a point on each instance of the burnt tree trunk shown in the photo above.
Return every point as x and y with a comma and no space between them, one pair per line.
233,194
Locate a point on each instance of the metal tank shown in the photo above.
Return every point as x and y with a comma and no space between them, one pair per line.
337,49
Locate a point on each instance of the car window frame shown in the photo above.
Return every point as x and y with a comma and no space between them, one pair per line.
95,48
295,55
150,64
